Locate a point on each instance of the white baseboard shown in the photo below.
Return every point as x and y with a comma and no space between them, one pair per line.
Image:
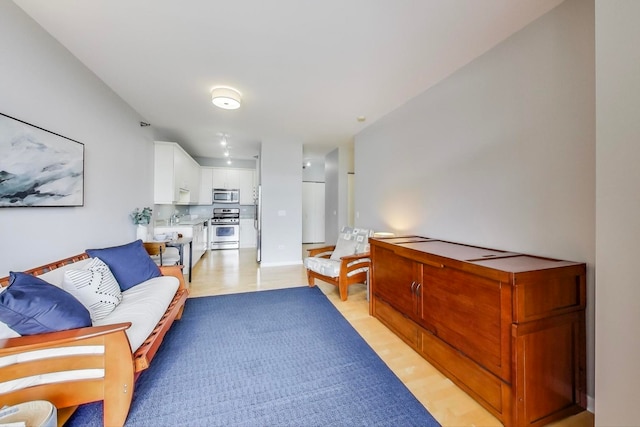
591,404
279,264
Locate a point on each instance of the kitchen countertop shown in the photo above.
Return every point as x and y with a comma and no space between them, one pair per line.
184,222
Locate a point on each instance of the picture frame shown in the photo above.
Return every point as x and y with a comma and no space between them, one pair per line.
39,168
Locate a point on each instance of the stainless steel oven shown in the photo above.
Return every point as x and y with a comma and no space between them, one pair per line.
225,229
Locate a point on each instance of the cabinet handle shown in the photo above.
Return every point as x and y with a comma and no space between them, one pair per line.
418,287
413,285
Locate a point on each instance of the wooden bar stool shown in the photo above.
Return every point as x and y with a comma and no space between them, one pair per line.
159,254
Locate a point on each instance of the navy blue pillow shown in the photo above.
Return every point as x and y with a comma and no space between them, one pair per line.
130,263
32,306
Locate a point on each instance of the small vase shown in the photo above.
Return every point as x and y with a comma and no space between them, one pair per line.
141,232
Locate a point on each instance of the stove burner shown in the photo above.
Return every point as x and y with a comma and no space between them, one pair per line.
226,216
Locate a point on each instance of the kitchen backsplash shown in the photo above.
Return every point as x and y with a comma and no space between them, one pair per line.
247,211
161,212
165,211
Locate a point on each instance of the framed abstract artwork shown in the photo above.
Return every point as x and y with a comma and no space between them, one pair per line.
39,167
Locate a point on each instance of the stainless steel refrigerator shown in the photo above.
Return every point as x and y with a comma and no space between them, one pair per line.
257,223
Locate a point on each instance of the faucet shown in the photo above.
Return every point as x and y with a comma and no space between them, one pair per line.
174,219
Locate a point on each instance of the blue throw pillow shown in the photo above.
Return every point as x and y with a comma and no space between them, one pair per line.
32,306
130,263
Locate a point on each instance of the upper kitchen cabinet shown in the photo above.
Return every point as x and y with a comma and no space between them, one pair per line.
176,175
242,179
226,178
206,186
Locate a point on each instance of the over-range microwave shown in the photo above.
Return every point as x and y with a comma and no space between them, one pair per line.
225,195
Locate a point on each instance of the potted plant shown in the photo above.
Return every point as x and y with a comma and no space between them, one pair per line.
142,218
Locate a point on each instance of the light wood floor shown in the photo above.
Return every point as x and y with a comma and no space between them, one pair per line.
234,271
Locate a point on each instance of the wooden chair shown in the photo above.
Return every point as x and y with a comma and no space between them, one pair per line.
158,253
341,265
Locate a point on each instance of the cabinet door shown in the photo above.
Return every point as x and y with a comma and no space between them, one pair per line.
232,178
206,186
550,366
181,168
466,311
219,178
194,181
394,280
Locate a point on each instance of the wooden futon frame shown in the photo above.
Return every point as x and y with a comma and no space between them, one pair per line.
99,348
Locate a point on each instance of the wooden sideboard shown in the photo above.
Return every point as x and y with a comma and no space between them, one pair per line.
508,328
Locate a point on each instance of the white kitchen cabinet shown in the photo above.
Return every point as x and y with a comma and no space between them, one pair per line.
176,176
226,178
199,243
193,181
242,179
206,186
248,234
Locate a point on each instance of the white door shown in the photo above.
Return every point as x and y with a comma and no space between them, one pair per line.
312,212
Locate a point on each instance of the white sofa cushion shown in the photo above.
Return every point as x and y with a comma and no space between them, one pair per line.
143,305
7,332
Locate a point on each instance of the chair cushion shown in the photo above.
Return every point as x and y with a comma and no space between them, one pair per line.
30,306
130,263
324,266
95,287
351,241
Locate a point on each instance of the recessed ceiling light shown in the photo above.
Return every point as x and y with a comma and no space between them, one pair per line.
226,98
361,118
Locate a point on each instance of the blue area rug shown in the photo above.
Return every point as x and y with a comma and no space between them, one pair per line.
272,358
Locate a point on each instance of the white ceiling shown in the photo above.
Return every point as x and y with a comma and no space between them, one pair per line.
306,68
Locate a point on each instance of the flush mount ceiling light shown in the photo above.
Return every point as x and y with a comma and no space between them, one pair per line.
226,98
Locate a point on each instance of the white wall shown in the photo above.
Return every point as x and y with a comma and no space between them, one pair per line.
338,164
331,196
501,154
314,172
43,84
281,180
618,212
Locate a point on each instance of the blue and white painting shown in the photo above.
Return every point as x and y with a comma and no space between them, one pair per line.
38,167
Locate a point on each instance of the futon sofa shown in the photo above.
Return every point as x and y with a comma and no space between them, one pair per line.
83,328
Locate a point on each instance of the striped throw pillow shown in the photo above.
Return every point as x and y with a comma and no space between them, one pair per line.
95,287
